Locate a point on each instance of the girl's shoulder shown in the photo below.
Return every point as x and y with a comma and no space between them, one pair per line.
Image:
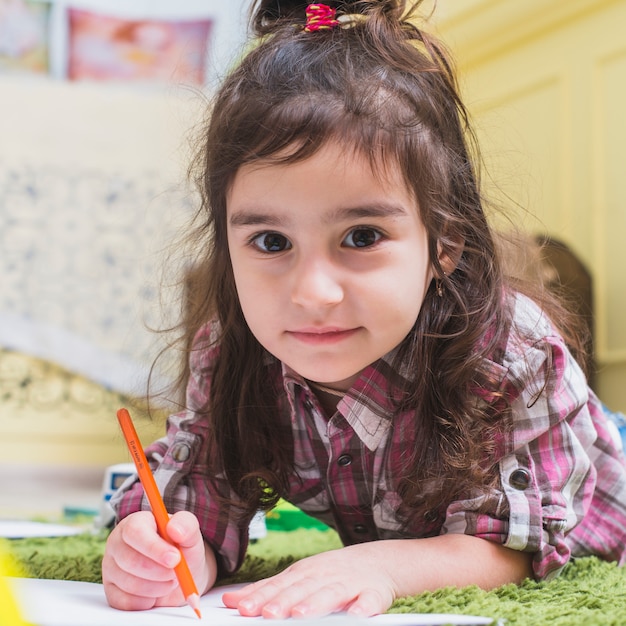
528,326
529,343
520,322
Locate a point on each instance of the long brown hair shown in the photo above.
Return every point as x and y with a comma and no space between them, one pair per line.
386,87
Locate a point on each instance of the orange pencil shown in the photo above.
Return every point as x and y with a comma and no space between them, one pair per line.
159,511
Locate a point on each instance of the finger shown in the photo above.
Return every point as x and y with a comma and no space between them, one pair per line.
369,602
251,604
139,533
120,599
184,530
322,601
232,598
118,582
141,566
129,569
285,603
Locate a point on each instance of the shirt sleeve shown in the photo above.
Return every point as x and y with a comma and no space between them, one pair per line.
546,475
180,468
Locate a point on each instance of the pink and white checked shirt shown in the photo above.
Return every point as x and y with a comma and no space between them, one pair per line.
562,488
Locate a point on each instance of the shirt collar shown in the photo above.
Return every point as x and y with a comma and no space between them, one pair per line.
366,407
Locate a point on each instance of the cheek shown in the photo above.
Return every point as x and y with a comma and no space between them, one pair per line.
408,307
242,285
407,312
241,273
404,288
245,291
257,300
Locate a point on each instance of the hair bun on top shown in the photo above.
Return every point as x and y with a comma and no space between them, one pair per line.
268,14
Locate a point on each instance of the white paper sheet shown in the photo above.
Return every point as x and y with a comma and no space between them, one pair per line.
67,603
18,529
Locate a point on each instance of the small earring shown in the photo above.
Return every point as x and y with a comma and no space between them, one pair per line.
439,286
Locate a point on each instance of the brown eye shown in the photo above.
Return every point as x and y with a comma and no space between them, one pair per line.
271,242
362,238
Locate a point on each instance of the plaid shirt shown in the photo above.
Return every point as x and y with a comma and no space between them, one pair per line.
562,480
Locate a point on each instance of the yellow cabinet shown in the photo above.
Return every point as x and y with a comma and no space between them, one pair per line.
545,81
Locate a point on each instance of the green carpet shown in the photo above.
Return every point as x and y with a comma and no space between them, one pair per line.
589,592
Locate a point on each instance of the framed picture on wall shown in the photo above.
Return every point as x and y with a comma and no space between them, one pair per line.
107,47
188,42
24,33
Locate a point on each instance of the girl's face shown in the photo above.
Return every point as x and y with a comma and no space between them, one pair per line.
330,261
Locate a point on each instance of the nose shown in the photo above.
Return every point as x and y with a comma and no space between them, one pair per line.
316,283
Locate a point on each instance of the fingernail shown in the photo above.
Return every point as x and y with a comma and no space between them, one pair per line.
357,612
249,608
273,611
175,528
301,610
171,559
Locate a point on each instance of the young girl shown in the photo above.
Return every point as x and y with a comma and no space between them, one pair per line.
358,350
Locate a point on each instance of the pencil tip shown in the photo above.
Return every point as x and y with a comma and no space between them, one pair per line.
194,602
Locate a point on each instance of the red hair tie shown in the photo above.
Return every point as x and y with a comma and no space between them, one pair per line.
320,17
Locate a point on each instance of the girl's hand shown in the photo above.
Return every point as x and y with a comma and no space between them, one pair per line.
138,565
366,578
352,579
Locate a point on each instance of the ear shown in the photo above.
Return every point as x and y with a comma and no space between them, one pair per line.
449,258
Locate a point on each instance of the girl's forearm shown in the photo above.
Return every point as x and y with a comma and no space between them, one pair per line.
453,560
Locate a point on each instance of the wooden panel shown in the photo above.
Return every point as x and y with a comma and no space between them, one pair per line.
610,204
546,82
521,136
484,29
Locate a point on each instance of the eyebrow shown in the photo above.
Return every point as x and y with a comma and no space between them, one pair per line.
380,210
369,210
254,218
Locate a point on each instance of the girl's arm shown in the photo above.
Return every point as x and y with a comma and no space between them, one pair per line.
366,578
138,565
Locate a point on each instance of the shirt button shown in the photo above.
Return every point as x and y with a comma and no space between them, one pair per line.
344,460
360,529
181,452
520,479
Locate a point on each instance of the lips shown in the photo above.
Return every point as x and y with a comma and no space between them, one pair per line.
322,336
